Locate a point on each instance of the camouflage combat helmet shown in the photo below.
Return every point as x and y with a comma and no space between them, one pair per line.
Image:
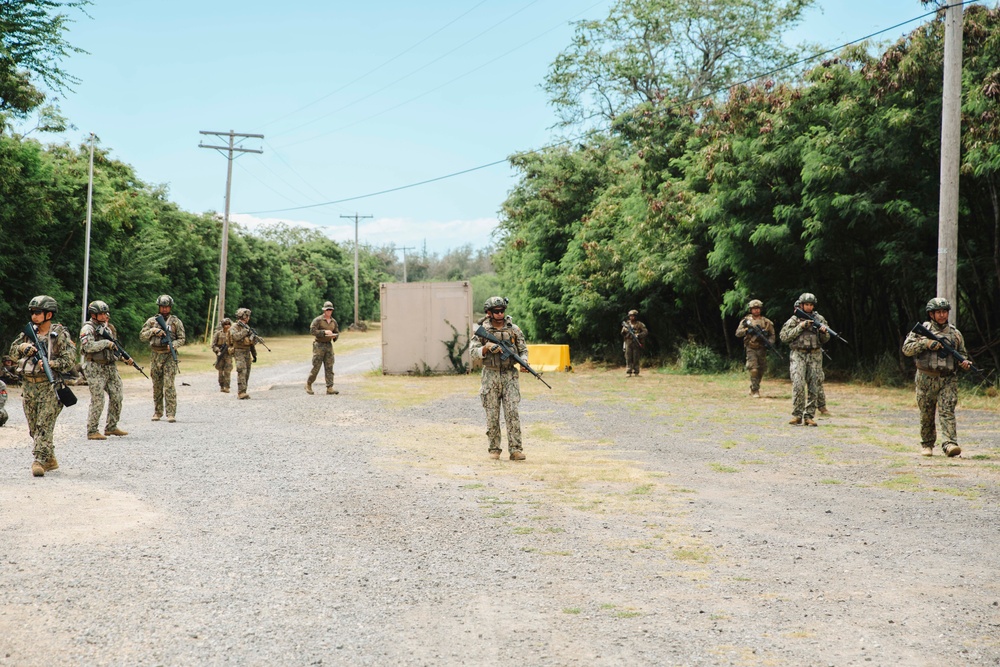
327,305
98,308
44,303
240,312
165,300
634,312
938,303
755,303
226,321
495,302
807,297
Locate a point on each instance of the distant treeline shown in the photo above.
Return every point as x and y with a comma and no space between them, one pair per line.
142,245
827,185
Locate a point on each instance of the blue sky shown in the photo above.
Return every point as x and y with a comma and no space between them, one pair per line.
352,97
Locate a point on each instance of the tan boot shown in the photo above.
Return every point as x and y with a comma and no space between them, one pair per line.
156,417
115,431
242,395
495,455
517,455
951,449
824,412
224,390
51,464
96,436
309,388
37,469
927,451
331,390
810,422
171,419
795,421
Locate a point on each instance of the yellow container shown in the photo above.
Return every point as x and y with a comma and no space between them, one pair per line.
551,358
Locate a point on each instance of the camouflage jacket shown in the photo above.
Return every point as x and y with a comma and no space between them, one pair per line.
159,343
240,336
57,346
799,337
640,332
320,326
935,361
752,340
94,346
510,333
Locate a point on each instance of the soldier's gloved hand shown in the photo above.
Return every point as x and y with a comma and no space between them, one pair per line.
157,331
27,349
933,345
109,344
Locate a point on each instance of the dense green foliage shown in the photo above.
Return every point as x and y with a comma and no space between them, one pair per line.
828,185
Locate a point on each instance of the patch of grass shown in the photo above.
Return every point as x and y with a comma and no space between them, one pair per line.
473,486
719,467
572,610
753,462
608,605
694,555
958,493
902,482
553,529
830,481
643,490
628,614
523,530
729,444
499,515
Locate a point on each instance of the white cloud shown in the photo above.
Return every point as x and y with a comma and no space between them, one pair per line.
439,235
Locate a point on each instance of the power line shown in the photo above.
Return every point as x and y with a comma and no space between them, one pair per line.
674,106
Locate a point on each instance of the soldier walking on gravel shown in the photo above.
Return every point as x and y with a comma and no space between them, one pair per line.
223,355
41,404
633,334
3,402
241,341
806,367
937,383
500,385
756,349
324,331
162,367
99,356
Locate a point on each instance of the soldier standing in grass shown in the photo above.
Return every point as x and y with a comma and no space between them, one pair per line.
755,348
41,404
631,346
500,385
99,356
937,383
162,367
324,331
806,367
223,355
241,342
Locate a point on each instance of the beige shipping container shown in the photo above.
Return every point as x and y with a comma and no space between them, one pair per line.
419,321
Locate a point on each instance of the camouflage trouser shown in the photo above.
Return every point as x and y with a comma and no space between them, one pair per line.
632,354
756,365
501,388
322,356
243,363
163,370
3,402
937,394
41,407
806,369
103,379
821,393
226,372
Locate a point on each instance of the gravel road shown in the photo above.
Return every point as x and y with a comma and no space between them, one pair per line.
357,530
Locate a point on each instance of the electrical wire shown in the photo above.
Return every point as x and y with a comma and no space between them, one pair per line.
675,106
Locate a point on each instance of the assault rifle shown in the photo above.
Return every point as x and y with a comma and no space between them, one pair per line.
508,352
64,393
759,333
631,332
223,349
946,348
162,323
803,315
126,357
257,339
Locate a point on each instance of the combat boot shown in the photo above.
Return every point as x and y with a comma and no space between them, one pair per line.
96,436
51,464
115,431
951,449
37,469
754,394
810,422
224,390
309,388
927,451
331,390
156,417
795,421
171,419
242,395
517,455
495,455
824,412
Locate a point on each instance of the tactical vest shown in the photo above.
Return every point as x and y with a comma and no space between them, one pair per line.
751,340
938,361
244,343
28,365
159,344
493,361
808,339
105,356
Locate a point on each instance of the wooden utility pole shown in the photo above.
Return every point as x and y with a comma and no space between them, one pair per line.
404,249
356,217
230,150
951,151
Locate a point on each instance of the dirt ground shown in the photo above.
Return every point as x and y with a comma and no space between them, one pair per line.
660,520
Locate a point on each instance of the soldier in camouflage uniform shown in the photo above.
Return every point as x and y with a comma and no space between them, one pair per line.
223,355
241,342
162,367
633,349
937,383
756,350
3,403
500,385
806,357
99,356
324,331
41,404
8,374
